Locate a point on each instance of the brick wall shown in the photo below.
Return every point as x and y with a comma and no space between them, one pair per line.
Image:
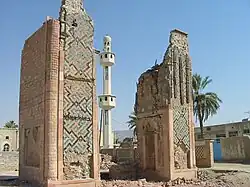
38,102
121,154
236,149
9,161
204,153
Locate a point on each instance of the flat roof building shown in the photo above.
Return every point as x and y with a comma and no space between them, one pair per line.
224,130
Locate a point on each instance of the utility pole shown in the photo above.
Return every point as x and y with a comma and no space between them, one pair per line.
248,112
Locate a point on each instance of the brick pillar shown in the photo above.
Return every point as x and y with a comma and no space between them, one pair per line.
168,142
51,99
192,160
95,132
209,151
60,116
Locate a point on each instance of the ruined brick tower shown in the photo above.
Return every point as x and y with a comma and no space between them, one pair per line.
164,109
58,109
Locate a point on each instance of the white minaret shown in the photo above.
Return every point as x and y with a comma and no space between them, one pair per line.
107,100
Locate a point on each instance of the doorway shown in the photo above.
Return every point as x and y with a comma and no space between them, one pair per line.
150,151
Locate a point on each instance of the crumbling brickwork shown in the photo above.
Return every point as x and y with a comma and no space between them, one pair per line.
164,109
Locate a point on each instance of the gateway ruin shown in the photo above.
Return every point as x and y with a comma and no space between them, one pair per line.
58,105
164,107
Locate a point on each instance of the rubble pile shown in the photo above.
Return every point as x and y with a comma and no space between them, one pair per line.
123,171
183,181
106,162
203,175
176,183
126,183
205,179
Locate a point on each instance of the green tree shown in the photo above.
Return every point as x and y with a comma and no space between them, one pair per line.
206,104
127,140
10,124
132,122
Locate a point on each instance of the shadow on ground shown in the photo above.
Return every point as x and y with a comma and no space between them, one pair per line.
9,182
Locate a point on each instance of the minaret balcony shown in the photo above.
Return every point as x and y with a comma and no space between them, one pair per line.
107,59
107,102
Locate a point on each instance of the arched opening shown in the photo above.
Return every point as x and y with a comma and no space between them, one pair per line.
6,147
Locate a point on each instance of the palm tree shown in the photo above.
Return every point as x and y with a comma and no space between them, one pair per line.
10,124
206,104
132,122
117,141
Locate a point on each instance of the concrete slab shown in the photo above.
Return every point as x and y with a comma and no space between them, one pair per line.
231,167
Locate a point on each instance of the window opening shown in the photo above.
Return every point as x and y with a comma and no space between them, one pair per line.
106,72
6,147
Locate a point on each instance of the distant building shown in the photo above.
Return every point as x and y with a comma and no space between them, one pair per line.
118,136
224,130
9,139
122,134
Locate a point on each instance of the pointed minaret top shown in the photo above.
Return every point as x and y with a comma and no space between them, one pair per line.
72,4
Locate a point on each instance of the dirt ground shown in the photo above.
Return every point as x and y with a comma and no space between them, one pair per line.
221,175
207,178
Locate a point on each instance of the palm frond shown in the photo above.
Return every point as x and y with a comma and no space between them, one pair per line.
10,124
132,122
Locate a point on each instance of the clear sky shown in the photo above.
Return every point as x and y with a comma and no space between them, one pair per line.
219,40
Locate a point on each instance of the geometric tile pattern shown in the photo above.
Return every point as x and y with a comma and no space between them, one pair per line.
200,152
77,39
181,90
181,126
183,76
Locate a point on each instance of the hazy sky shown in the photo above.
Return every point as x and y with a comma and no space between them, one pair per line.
219,40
